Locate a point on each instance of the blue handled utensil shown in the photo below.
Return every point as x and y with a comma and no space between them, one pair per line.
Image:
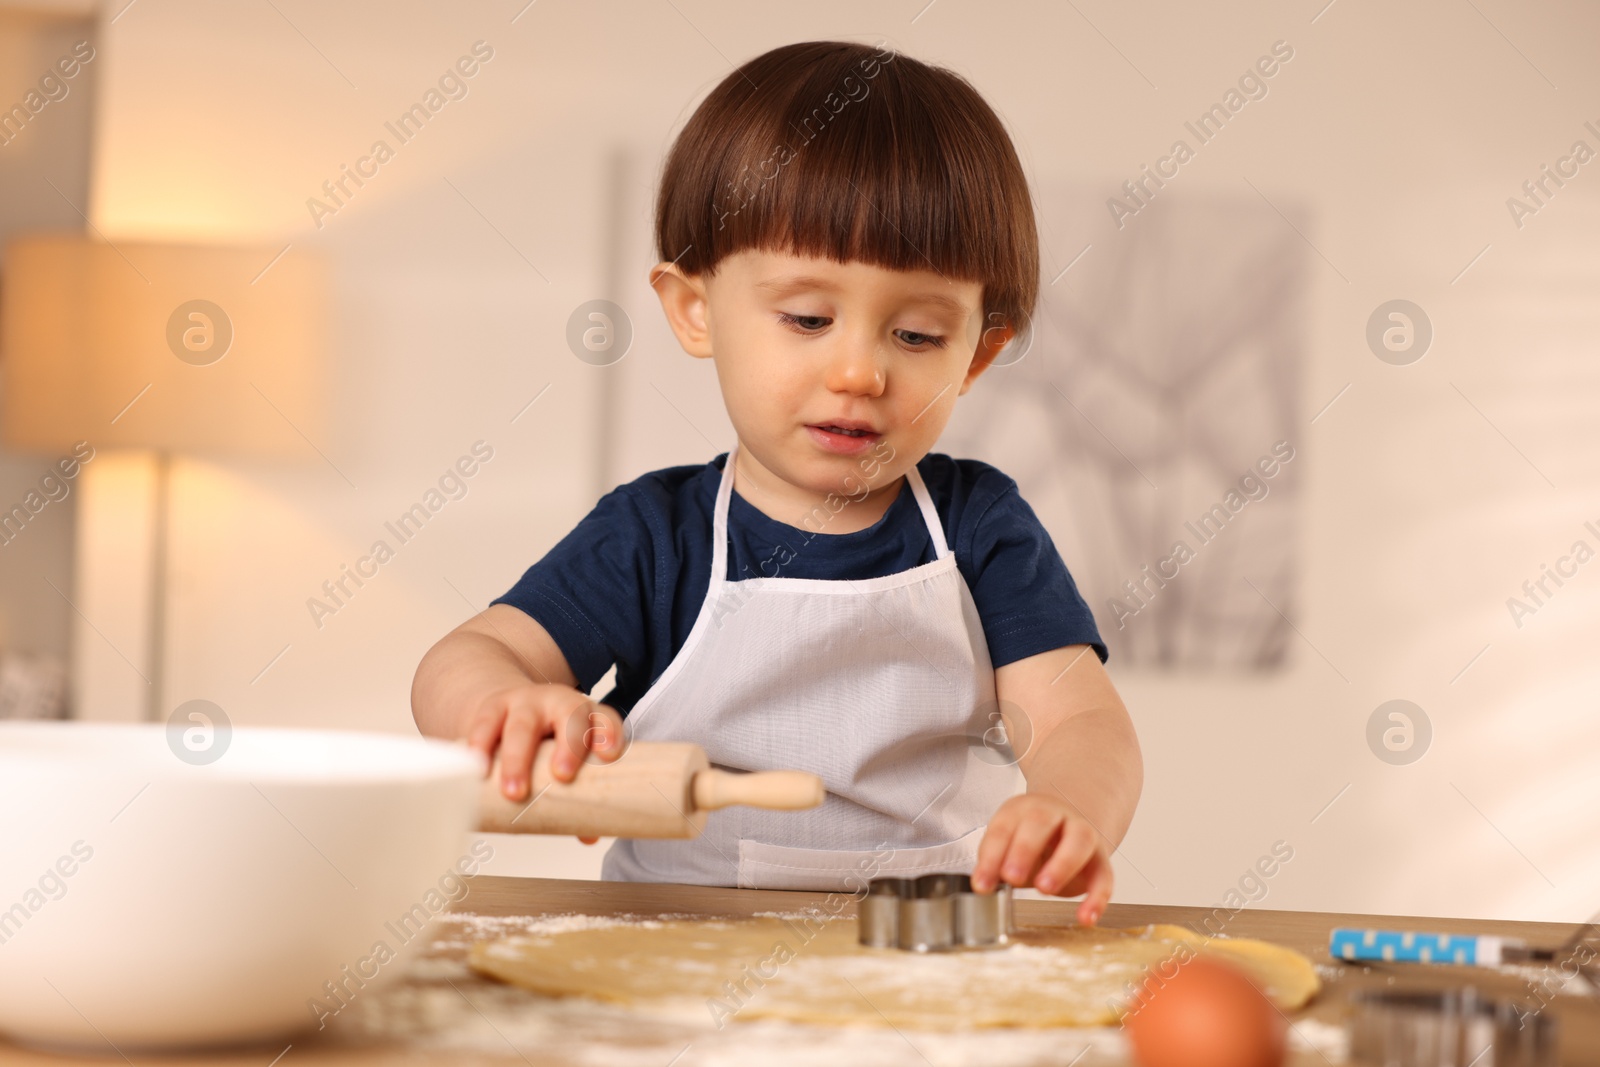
1405,946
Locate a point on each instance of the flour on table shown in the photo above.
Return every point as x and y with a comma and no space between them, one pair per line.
483,927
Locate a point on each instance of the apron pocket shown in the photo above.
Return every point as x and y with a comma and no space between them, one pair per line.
764,866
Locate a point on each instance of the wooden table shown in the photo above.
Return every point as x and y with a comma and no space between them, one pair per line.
440,1013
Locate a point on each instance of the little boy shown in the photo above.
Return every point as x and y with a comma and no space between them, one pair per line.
848,234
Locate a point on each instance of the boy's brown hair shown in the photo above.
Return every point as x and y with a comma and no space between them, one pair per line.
839,150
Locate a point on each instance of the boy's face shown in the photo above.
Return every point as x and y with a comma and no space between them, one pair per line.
806,348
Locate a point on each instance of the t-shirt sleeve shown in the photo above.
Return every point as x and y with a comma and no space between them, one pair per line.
590,590
1026,598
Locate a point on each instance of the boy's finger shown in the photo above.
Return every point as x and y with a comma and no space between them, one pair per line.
517,741
484,732
991,850
1072,853
1101,877
1029,846
604,734
570,724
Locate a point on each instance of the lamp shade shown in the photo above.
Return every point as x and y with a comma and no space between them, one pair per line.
177,348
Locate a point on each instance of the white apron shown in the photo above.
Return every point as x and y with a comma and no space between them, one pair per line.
882,686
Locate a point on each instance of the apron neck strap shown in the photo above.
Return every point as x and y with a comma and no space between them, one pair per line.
719,522
930,514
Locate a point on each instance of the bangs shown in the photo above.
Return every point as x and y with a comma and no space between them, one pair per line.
842,151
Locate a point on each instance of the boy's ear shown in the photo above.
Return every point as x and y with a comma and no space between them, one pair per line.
683,299
989,345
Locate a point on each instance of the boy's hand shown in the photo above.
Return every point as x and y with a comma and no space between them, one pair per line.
517,719
1038,840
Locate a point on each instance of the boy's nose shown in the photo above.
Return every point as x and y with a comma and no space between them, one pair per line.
856,368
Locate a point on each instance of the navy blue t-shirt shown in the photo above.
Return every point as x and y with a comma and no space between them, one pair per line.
626,585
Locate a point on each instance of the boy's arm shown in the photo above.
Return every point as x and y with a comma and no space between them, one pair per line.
1084,774
499,680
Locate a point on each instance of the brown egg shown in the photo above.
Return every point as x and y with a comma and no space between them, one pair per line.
1207,1014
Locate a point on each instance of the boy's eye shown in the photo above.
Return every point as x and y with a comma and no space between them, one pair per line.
804,323
917,340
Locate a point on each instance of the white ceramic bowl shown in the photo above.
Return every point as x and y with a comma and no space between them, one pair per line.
148,902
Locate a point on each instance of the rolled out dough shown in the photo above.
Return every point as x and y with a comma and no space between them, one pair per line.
804,970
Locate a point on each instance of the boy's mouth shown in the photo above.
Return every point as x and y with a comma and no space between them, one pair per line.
846,437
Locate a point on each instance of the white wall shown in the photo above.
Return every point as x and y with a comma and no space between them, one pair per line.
1404,129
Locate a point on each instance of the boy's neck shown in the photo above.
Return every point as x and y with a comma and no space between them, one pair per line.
804,509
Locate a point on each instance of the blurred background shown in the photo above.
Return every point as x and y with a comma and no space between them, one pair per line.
1380,259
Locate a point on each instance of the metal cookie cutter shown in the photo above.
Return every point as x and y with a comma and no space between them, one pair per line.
933,913
1458,1028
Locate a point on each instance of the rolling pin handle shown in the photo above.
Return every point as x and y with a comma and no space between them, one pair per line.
776,790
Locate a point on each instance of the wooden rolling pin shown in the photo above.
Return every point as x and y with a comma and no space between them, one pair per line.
655,789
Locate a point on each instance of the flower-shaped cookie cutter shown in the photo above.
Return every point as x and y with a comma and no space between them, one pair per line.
933,913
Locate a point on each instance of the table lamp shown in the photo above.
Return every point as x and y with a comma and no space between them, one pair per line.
173,349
